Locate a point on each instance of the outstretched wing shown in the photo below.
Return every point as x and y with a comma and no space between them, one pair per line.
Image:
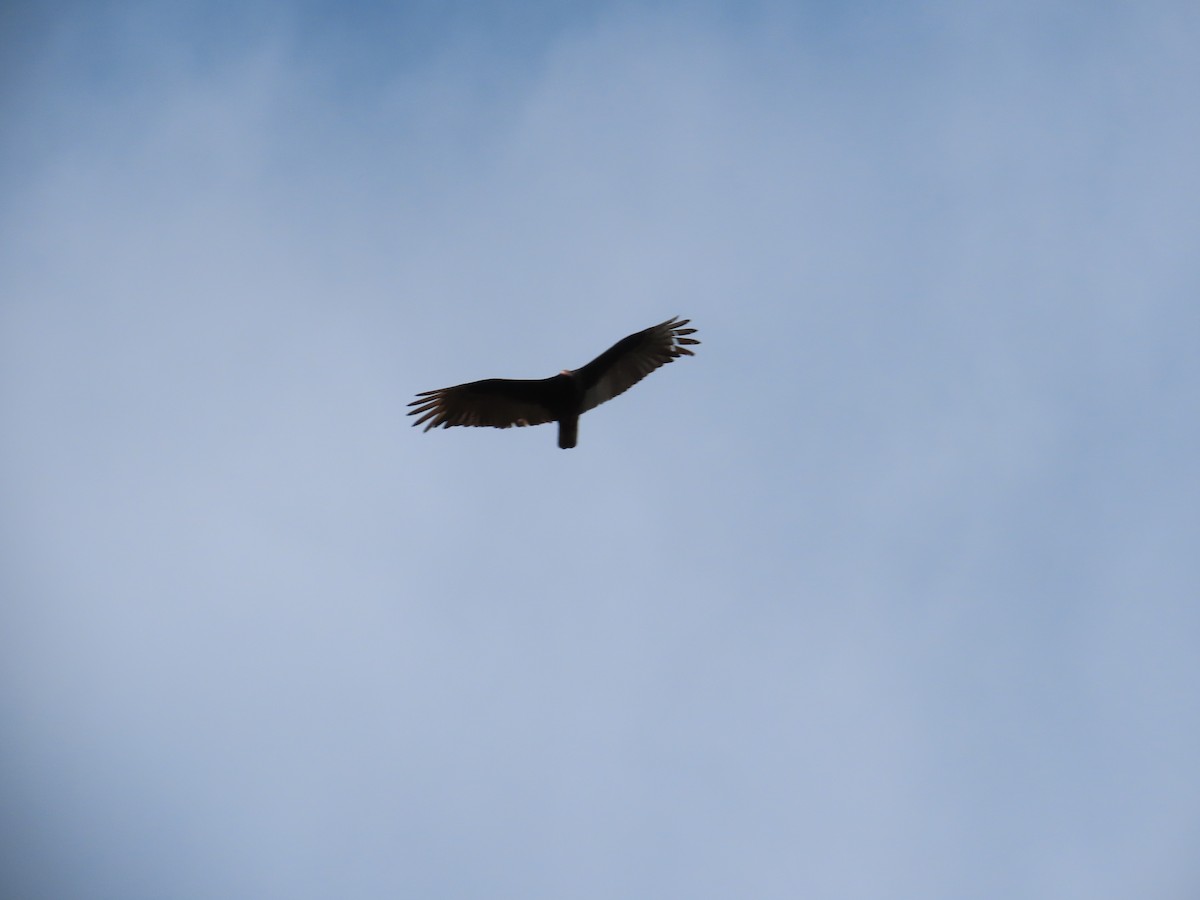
494,402
627,362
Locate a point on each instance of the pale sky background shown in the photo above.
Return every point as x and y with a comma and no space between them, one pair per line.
892,591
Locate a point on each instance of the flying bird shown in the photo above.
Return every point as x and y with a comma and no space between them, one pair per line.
504,402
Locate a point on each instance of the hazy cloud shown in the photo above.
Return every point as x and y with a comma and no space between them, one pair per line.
889,591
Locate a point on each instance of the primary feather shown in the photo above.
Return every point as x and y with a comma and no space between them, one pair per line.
504,402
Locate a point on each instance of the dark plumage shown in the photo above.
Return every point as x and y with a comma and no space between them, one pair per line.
504,402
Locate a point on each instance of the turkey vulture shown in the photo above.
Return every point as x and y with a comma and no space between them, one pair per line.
504,402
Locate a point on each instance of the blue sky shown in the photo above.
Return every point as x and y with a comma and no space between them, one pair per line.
890,591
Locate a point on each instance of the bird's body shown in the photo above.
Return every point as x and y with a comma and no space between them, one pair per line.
504,402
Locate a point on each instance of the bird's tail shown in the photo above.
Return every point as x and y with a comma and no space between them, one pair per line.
568,432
